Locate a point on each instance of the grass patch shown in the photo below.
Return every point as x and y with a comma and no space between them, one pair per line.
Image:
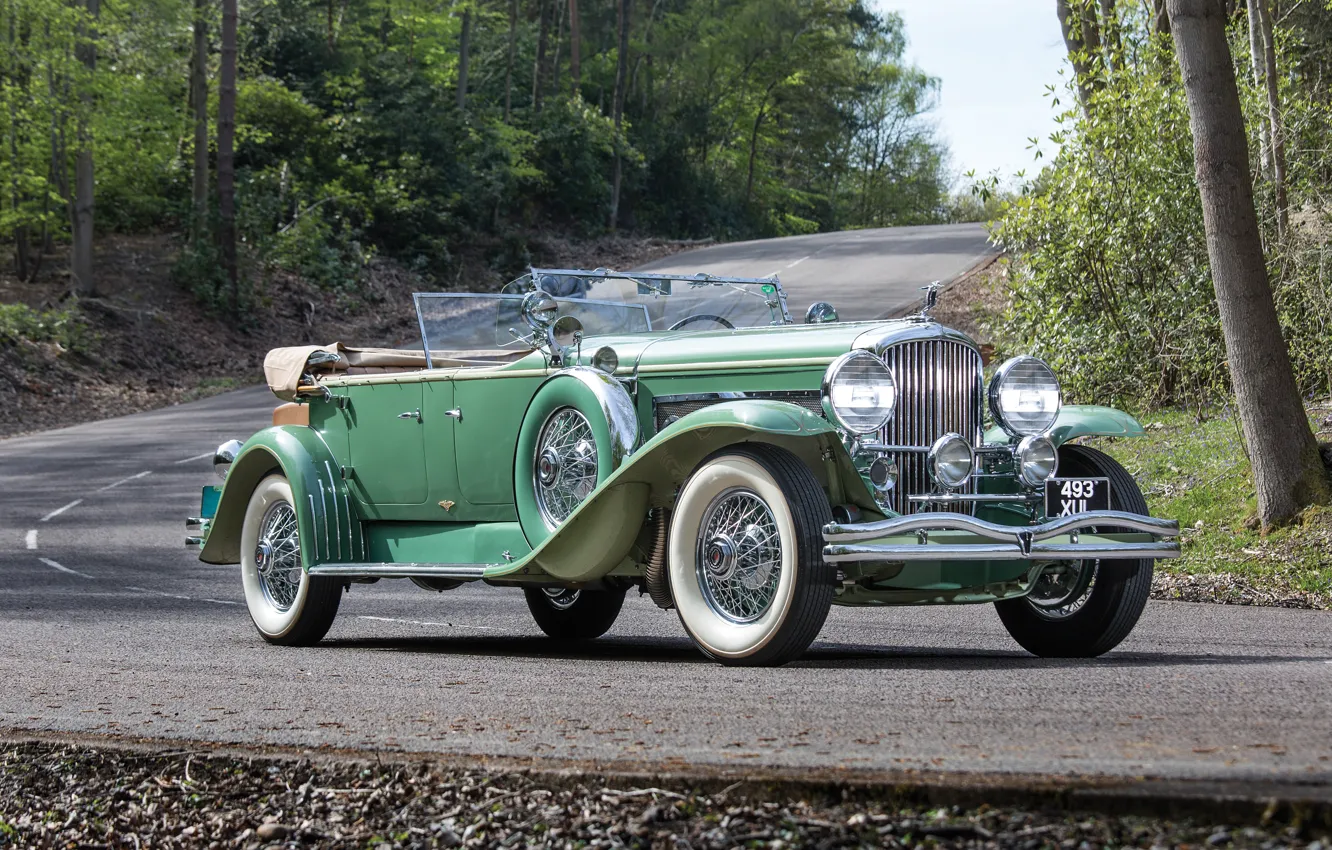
1197,472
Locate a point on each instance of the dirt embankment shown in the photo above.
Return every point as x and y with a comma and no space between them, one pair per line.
151,344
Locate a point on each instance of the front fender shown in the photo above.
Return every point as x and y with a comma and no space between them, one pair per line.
599,533
324,512
1082,420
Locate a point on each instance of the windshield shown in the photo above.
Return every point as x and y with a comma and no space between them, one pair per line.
672,302
464,326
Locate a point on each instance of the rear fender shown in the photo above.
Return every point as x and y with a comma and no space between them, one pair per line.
598,535
329,527
1082,420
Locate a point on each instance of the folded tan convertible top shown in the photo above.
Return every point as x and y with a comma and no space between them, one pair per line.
283,366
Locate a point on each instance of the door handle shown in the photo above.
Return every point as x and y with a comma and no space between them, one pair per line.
411,414
455,413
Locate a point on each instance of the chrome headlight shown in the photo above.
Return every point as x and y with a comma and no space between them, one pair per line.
950,461
1024,397
1037,459
859,392
225,456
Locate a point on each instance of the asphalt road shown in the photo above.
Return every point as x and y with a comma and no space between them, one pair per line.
865,274
109,625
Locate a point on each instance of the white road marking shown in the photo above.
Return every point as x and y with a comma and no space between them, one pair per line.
179,596
53,565
30,539
798,262
58,511
124,481
426,623
196,457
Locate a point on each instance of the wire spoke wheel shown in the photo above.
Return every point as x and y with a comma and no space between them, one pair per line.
565,467
278,556
739,556
1063,588
560,598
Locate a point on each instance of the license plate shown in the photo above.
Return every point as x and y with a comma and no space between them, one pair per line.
1068,496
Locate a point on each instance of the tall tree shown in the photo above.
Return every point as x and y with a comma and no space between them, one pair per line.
464,48
1275,131
539,67
199,102
81,221
1082,40
1288,472
508,68
226,165
621,77
575,47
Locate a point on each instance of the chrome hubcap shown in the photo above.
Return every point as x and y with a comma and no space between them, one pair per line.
277,556
565,467
739,556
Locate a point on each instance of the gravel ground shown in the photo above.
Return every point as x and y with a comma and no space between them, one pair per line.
56,795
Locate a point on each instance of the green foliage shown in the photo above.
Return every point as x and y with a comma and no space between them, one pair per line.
20,323
1112,282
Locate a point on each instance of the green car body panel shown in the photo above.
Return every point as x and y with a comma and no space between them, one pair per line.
434,466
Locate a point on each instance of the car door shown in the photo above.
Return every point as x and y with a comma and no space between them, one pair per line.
386,441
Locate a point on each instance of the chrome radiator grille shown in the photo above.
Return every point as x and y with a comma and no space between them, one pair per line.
939,390
667,409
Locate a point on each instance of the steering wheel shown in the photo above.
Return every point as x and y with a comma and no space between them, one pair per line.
701,317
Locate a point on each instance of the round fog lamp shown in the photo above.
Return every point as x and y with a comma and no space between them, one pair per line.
225,456
950,461
1037,459
606,360
883,474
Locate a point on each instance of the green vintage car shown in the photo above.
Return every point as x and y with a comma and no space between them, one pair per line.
585,433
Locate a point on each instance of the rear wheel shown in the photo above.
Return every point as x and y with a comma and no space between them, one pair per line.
746,556
286,604
1081,609
568,614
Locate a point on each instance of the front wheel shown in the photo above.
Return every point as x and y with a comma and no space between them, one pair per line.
288,605
1082,609
746,556
567,614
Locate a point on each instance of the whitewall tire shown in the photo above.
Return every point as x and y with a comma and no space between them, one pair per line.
286,605
746,556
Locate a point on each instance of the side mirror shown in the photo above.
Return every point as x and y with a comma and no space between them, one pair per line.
565,332
539,310
820,313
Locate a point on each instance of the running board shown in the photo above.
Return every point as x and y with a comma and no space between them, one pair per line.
464,572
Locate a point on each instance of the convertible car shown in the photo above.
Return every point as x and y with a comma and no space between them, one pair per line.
584,433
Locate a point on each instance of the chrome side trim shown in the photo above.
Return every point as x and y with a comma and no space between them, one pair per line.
382,570
946,498
849,532
616,406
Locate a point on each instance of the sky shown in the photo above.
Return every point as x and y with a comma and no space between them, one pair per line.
994,59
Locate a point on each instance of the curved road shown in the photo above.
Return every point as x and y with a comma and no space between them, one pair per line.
108,625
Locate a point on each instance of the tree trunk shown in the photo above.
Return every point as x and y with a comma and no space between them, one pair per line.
575,48
1277,133
199,96
508,68
226,132
81,224
1160,17
1287,470
621,77
753,149
1078,25
1258,59
464,47
1110,33
539,68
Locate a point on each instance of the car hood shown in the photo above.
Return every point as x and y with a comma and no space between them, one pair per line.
785,342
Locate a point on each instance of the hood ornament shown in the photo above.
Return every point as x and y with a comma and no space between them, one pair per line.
931,291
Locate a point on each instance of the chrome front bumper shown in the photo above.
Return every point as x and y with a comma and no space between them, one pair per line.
960,537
